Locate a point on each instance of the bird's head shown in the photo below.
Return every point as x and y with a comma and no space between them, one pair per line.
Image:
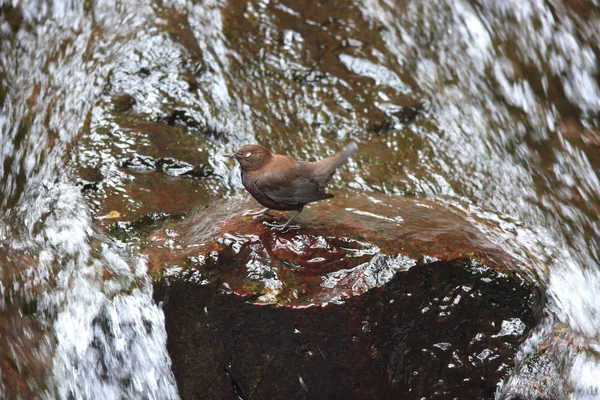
251,157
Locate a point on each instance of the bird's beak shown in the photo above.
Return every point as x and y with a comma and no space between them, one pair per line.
229,155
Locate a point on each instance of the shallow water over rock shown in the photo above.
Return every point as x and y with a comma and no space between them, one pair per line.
339,250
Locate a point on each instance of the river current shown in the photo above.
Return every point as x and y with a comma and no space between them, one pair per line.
507,96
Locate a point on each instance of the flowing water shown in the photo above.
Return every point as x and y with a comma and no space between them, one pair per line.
489,107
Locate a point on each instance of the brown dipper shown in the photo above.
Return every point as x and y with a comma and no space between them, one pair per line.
282,183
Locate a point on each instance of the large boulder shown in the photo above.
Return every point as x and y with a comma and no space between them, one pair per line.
375,297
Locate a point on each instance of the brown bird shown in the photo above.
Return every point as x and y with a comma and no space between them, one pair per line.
280,182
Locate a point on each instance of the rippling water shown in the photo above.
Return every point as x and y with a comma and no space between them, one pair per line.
94,330
489,107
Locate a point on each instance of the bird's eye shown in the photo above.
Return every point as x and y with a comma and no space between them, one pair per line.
247,155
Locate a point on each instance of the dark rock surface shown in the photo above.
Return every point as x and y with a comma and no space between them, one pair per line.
440,330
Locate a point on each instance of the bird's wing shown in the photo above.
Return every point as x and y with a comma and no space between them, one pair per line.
299,190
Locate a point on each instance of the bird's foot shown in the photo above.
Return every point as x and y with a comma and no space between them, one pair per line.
257,214
281,227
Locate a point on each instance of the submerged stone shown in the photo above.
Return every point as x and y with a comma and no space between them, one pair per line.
134,167
123,103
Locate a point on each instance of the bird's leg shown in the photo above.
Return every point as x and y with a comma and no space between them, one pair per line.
256,214
284,227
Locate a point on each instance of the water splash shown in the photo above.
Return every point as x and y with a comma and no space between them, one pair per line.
90,327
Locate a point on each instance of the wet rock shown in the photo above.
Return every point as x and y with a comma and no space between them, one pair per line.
162,140
136,230
135,167
144,72
176,24
13,15
139,162
346,243
374,297
435,331
382,127
123,103
26,341
181,117
151,193
305,83
20,360
168,166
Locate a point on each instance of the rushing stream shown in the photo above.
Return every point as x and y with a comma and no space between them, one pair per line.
488,107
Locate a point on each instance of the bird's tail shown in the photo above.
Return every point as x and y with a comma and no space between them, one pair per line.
327,166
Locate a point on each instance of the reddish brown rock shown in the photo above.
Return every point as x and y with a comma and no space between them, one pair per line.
25,359
374,298
346,246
